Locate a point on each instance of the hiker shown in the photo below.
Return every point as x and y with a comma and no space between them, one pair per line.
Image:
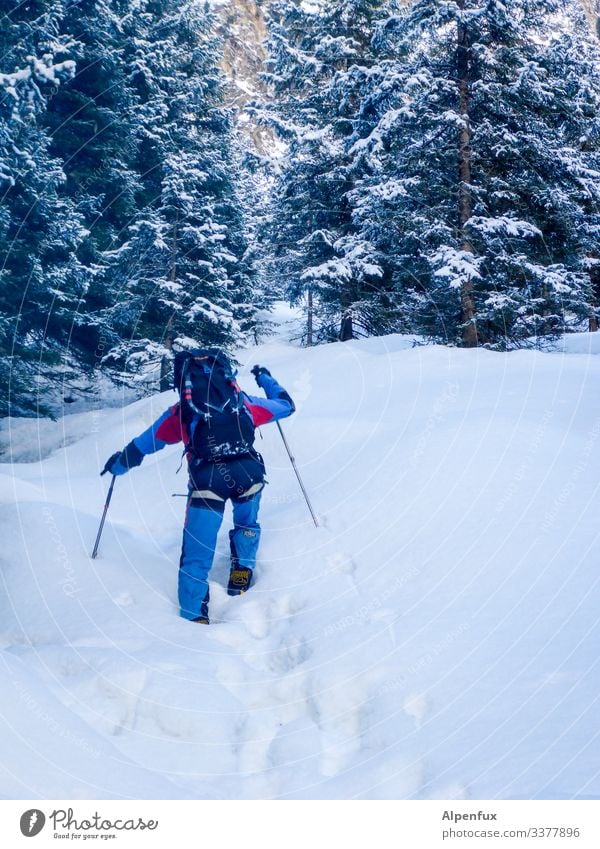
216,422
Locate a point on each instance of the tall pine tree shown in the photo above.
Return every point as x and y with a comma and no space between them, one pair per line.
182,273
92,120
319,56
482,167
41,279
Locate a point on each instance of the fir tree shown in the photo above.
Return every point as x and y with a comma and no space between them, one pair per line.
41,280
92,121
182,272
482,167
319,55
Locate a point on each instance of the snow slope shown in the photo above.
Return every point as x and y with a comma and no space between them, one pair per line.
436,637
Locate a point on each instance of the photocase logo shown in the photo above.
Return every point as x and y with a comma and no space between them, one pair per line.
32,822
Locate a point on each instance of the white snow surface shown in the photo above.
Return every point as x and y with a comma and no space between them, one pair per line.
436,637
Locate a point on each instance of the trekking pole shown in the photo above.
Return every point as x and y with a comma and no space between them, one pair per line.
108,497
293,462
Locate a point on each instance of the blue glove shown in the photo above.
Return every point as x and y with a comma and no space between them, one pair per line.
121,461
257,371
112,465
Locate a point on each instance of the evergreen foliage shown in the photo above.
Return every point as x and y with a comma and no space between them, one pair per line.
181,272
318,55
442,172
530,235
121,214
41,279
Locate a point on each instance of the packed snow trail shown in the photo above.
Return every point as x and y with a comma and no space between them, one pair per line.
436,637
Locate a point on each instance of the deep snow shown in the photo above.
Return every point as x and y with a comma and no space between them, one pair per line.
437,637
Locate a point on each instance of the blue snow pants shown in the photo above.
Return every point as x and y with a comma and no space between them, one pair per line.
211,484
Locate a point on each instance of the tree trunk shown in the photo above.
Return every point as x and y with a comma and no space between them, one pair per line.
592,10
165,363
465,200
346,330
347,296
595,278
309,319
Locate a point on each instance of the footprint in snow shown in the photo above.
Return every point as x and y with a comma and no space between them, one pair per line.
292,652
417,706
260,615
342,563
123,599
256,618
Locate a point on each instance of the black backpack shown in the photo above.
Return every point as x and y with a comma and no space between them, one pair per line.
212,405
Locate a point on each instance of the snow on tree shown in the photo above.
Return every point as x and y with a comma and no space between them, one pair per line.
183,272
317,53
92,121
41,278
482,174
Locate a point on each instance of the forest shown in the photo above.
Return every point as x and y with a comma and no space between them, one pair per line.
430,168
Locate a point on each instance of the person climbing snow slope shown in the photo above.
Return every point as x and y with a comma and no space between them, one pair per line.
216,421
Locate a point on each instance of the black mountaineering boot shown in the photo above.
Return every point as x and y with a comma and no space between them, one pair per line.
240,577
239,580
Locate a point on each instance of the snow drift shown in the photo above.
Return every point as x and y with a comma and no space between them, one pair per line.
436,637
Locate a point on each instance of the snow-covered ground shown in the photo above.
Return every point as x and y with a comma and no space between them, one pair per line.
436,637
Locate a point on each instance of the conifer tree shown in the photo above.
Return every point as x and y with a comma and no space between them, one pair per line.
182,273
92,121
482,167
41,279
319,54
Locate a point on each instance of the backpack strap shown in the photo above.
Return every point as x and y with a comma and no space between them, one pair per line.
187,395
